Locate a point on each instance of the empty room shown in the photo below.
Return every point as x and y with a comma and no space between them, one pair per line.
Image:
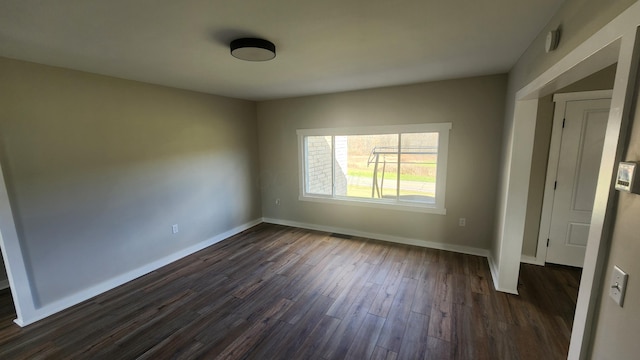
319,180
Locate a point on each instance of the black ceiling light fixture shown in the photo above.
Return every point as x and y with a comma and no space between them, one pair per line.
253,49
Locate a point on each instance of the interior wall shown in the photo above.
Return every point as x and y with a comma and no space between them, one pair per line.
98,169
474,106
601,80
616,328
577,20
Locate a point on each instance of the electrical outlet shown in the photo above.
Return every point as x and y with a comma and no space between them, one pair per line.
174,228
462,222
618,285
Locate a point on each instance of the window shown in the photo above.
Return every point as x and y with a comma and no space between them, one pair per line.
400,166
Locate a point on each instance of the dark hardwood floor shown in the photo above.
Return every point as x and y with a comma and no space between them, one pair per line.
275,292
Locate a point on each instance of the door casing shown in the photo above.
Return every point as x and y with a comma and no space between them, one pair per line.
561,101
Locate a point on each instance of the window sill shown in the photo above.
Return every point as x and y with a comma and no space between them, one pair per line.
390,205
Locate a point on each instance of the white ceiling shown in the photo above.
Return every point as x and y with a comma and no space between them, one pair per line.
322,46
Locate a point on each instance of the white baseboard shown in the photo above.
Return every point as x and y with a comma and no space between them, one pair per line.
98,289
531,260
4,284
105,286
396,239
493,267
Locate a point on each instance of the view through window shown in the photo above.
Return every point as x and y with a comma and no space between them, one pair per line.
406,166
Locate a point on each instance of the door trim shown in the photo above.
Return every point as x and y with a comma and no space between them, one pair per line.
560,101
619,40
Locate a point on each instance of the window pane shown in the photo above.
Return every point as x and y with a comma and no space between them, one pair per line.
418,167
396,168
318,165
369,165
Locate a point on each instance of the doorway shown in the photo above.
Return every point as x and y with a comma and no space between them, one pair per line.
4,279
7,307
616,42
579,128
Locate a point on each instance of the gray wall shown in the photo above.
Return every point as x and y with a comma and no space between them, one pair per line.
602,80
616,334
474,106
578,20
98,169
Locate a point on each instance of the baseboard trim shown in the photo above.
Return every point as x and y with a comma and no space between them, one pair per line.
531,260
105,286
4,284
396,239
493,267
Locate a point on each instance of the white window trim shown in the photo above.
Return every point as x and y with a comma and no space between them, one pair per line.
443,155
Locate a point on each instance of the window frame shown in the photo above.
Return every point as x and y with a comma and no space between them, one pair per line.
442,129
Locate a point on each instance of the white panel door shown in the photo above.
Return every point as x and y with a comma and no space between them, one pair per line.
583,134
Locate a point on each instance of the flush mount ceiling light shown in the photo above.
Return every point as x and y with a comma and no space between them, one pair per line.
252,49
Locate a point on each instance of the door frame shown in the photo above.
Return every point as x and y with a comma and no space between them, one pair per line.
560,101
14,259
618,41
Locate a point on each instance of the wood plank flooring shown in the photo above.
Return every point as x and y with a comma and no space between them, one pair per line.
275,292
